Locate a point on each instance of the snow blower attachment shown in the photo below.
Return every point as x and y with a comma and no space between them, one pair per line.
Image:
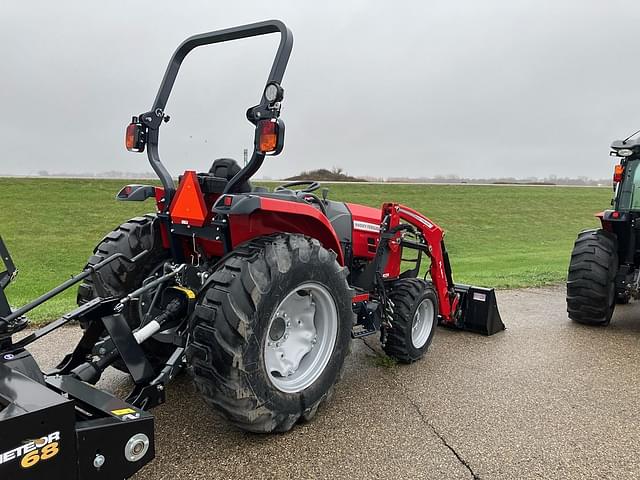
257,292
57,426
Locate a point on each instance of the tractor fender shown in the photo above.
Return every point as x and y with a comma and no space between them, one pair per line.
609,217
252,216
605,224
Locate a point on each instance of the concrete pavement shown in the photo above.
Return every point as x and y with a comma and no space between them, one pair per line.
545,399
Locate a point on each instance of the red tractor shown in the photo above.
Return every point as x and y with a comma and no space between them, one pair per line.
259,292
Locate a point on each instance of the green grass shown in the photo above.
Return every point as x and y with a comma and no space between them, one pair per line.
496,236
383,361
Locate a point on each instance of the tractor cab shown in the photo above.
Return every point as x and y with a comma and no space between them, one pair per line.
627,187
626,177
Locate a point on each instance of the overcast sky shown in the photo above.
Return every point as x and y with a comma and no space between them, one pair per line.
420,88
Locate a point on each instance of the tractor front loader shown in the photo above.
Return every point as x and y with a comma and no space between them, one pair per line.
257,293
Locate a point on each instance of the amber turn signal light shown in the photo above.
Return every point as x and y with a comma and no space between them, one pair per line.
618,173
267,136
134,138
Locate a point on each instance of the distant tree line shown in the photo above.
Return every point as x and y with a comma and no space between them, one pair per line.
337,174
109,174
550,180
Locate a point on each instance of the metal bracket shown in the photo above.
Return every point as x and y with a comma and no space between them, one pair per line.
11,271
6,278
134,358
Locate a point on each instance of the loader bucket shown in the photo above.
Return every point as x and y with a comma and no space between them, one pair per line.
479,311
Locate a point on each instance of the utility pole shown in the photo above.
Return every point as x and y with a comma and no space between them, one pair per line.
246,154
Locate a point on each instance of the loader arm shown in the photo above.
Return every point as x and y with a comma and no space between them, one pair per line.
460,306
440,268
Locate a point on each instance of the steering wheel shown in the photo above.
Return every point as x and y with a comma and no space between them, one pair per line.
313,186
306,193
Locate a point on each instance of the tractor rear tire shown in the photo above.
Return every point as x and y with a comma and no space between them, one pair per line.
591,290
232,332
119,278
415,316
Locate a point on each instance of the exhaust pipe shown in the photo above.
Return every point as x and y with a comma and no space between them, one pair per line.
478,310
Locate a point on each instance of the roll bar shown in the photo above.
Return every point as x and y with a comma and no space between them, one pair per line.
153,119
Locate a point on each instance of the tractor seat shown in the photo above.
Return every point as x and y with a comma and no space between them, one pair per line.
222,170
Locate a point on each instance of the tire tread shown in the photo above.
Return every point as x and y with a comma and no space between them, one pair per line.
221,330
592,270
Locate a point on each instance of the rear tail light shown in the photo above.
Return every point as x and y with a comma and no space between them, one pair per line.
135,136
268,136
618,173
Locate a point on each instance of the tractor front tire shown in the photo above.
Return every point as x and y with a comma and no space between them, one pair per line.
415,316
119,278
271,331
591,290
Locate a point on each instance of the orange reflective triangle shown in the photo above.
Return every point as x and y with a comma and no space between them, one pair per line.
188,205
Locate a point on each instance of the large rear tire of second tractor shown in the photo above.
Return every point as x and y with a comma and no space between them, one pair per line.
271,331
591,289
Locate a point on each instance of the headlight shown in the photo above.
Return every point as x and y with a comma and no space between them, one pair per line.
625,152
273,93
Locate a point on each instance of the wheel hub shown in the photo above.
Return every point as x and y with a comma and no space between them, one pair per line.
290,341
422,323
301,336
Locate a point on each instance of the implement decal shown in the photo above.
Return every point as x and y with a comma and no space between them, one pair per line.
32,451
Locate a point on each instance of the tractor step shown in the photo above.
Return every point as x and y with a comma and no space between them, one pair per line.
360,331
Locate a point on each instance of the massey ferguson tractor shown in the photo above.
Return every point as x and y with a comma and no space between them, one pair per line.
604,267
257,293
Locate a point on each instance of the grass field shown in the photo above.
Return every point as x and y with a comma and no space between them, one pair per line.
496,236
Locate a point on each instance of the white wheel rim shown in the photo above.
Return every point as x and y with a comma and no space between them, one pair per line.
300,337
422,324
